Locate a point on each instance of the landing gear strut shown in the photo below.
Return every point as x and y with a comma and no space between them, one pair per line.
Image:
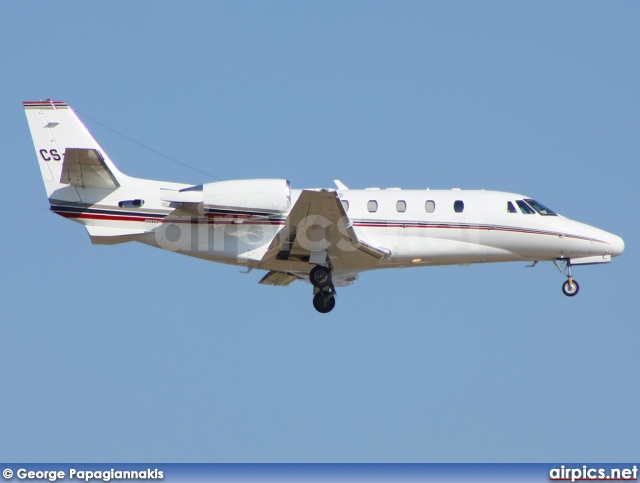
324,292
570,287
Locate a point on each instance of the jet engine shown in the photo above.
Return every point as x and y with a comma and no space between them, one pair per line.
263,196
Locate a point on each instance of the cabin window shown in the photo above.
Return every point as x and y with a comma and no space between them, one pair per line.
372,206
458,206
401,206
540,208
511,208
345,205
525,208
430,206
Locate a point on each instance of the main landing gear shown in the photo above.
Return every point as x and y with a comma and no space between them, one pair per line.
570,288
324,298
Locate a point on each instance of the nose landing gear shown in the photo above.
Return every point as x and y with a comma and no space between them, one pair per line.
570,288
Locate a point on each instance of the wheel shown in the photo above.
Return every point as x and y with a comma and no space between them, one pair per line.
323,302
320,276
570,288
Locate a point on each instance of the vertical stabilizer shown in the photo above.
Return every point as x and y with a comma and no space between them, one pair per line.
56,130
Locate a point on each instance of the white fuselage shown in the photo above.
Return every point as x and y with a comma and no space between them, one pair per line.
416,227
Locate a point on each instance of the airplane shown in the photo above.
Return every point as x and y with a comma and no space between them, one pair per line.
325,237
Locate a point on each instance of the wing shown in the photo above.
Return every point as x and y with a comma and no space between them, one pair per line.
86,168
318,231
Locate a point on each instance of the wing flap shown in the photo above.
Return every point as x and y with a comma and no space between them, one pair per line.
278,279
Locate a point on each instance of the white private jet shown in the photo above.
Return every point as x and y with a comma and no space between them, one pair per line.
322,236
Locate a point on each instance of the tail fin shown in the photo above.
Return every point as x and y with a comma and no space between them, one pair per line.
67,153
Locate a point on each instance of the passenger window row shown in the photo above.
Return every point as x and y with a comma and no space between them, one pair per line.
401,206
526,206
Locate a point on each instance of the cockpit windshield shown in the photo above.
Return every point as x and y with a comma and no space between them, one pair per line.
540,208
525,208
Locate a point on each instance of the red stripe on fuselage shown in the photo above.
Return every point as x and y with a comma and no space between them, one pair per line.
93,216
230,221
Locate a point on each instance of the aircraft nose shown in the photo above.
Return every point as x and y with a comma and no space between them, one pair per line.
616,244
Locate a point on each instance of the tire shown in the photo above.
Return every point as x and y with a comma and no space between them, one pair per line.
570,289
320,276
324,303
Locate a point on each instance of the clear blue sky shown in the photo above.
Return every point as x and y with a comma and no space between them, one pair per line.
129,353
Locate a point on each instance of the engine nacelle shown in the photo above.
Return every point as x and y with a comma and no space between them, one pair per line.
259,195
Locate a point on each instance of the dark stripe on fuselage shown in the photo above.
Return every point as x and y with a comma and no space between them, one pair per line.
61,210
253,218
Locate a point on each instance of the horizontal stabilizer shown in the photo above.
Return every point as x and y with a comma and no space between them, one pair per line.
105,235
86,168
